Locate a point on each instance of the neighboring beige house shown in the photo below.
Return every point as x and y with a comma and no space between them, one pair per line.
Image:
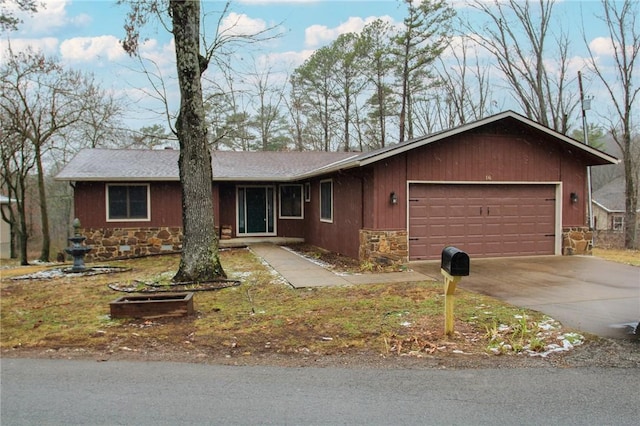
609,213
5,231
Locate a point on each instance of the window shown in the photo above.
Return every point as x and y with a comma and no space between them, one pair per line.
291,201
617,223
127,202
326,201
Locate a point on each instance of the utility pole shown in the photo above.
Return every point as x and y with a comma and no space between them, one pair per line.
586,105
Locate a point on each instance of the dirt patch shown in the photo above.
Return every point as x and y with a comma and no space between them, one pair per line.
595,353
338,262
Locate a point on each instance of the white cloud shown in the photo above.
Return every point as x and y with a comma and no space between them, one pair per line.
235,24
601,46
164,57
266,2
50,17
286,61
47,45
319,35
474,48
92,48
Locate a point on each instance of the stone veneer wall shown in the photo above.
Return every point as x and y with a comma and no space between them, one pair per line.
577,240
383,247
390,247
111,243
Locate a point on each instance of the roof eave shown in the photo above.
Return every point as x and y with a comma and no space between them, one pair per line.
116,179
256,179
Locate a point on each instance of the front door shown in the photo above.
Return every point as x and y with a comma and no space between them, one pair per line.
256,210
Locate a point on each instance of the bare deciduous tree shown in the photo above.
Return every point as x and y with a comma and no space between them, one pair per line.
46,103
17,163
465,85
519,36
620,18
267,97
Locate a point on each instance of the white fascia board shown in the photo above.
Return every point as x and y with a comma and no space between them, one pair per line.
345,163
117,179
602,206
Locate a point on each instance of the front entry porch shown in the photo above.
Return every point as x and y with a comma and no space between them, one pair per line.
245,241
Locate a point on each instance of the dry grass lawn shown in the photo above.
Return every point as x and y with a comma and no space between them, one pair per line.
630,257
260,318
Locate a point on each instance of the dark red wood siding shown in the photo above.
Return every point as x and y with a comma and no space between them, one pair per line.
166,205
485,158
390,176
478,158
227,215
341,236
90,205
574,179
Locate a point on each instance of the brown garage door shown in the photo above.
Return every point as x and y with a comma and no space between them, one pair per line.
483,220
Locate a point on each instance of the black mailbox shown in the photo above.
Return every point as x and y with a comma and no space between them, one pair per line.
455,262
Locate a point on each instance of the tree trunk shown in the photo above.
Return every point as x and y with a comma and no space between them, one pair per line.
21,230
347,142
44,216
631,195
403,108
23,237
199,260
381,111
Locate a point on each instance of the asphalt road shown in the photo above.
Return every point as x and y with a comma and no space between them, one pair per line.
59,392
584,292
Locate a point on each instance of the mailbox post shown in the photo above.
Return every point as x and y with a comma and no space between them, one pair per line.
453,266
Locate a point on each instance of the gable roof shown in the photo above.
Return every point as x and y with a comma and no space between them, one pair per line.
162,165
611,197
595,156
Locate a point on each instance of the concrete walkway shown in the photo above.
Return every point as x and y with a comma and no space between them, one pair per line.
300,272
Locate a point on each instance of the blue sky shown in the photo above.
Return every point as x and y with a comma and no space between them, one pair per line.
84,34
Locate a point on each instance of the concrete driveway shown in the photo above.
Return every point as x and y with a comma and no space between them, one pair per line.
584,292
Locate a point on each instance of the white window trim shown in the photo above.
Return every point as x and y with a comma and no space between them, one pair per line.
617,220
307,192
106,197
329,220
301,187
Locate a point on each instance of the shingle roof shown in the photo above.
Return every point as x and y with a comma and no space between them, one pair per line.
245,165
162,165
611,196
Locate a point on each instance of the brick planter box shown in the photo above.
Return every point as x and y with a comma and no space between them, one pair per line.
152,306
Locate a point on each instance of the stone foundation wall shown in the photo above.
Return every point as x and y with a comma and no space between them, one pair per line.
577,240
112,243
384,248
